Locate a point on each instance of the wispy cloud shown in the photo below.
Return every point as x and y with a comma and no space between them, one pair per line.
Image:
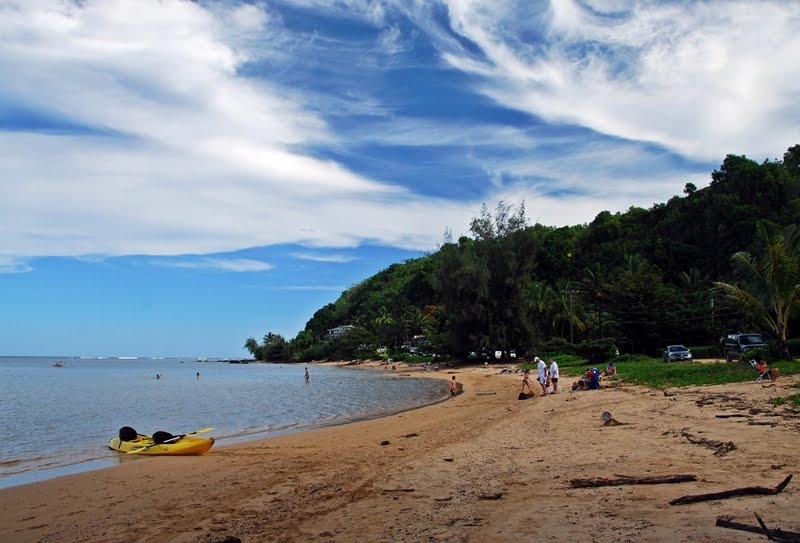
319,257
331,288
220,264
14,265
701,78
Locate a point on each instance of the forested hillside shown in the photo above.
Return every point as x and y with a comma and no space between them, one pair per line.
639,279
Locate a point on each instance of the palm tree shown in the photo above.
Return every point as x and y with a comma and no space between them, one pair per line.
769,281
252,345
383,324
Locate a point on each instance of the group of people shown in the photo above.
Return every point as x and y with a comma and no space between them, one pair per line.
547,377
590,380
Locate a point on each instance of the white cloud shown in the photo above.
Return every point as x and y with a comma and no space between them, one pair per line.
316,257
14,265
183,153
701,78
206,160
221,264
332,288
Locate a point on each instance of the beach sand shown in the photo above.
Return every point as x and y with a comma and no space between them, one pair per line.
482,467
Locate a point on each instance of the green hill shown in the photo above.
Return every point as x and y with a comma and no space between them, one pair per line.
636,280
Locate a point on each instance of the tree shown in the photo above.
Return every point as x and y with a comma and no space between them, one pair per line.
689,189
768,288
274,348
252,345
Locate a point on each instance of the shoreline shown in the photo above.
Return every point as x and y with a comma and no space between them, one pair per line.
482,467
87,465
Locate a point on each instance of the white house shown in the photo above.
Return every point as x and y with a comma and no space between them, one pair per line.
339,330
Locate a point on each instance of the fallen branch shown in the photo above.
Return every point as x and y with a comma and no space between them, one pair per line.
782,536
495,496
631,480
764,527
745,491
720,448
731,416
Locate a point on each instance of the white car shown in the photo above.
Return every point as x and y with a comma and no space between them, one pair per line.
675,353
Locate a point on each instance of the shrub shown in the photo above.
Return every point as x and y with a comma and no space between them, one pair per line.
597,351
794,347
553,345
706,351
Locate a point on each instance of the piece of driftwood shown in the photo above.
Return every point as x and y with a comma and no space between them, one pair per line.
744,491
731,416
494,496
721,448
776,534
631,480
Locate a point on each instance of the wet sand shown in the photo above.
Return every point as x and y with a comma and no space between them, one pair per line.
482,467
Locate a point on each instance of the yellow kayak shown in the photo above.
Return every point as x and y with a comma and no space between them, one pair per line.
173,445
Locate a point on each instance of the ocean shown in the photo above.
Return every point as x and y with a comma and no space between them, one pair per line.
57,420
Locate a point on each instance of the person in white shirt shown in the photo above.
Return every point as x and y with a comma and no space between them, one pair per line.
542,367
554,375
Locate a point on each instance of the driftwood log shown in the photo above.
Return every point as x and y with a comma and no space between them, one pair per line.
630,480
744,491
776,534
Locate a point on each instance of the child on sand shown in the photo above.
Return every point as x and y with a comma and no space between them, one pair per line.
453,387
526,382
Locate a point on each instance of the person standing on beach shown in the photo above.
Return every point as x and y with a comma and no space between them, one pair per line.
554,375
307,376
453,388
526,382
542,369
197,376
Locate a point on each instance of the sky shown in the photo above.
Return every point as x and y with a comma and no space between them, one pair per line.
178,176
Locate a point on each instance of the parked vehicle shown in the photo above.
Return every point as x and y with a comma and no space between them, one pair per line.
674,353
735,346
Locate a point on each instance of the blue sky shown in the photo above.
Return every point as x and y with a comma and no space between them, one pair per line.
178,176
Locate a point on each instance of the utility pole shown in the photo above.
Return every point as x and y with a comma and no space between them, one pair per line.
712,313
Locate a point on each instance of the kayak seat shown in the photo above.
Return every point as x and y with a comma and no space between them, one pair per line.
161,437
126,433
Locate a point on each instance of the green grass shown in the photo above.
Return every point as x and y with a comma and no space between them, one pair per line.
652,372
655,373
567,363
794,399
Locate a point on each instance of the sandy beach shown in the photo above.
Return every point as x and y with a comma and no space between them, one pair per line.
482,467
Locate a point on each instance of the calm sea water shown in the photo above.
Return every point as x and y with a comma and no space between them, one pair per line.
55,421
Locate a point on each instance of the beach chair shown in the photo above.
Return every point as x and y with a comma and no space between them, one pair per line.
761,374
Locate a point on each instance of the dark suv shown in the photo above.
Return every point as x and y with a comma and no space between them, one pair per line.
735,346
